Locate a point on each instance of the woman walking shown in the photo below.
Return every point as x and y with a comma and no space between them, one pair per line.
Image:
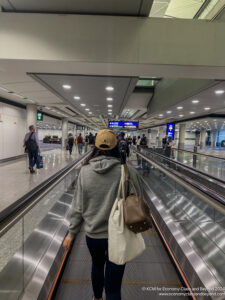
95,194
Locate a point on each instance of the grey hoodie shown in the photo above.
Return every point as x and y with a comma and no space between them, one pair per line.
95,193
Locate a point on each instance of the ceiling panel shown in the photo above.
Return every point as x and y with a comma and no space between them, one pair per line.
114,7
91,90
27,86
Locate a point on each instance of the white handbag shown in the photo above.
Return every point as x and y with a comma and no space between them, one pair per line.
123,244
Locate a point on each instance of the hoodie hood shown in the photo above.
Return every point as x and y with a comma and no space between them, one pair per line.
102,164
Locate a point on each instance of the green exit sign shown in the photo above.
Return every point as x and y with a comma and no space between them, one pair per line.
39,116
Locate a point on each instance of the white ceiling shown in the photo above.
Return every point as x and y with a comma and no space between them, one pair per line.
112,7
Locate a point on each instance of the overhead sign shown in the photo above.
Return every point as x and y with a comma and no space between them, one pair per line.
39,116
113,124
123,125
170,130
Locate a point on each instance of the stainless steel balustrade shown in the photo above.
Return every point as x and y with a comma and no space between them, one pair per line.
31,238
192,222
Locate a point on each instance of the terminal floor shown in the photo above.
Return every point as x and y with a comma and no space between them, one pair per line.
217,152
16,180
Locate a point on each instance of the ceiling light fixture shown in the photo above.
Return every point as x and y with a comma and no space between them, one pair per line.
87,109
76,97
109,105
192,112
195,101
67,86
169,112
90,112
180,107
160,115
19,96
82,104
207,108
109,99
219,92
109,88
181,116
109,110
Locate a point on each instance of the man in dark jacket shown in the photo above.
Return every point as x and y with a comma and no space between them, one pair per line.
123,147
32,147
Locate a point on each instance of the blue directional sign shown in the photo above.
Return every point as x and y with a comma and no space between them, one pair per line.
170,130
130,125
115,124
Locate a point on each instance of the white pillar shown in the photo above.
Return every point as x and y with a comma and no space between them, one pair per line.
160,136
203,138
31,115
213,138
182,136
64,132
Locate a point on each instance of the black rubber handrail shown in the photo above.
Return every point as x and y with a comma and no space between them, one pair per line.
195,170
8,212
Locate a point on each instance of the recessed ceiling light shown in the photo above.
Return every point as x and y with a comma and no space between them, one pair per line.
219,92
47,107
192,112
207,108
90,112
169,112
82,104
4,90
109,105
109,88
109,113
76,97
67,86
181,116
87,109
195,101
180,107
109,99
160,115
109,109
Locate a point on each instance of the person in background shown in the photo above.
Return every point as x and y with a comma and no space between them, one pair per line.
70,142
168,147
143,141
134,140
91,140
164,142
80,143
32,147
123,148
96,191
138,149
129,141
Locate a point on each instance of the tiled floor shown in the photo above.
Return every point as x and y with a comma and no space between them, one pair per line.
16,180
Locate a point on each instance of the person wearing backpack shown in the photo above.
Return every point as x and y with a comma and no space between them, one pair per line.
143,141
95,194
123,147
32,147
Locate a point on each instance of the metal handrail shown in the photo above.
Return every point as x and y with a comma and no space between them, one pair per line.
14,215
198,153
195,170
190,185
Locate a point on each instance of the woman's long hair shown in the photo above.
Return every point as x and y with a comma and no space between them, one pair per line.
97,152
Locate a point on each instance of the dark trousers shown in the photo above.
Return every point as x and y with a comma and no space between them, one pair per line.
70,148
32,158
104,273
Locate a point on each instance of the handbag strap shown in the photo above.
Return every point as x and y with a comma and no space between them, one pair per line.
126,179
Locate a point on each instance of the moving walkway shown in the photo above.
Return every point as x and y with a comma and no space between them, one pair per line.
185,249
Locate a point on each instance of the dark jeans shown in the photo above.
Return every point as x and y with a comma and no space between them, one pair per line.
111,277
70,148
32,158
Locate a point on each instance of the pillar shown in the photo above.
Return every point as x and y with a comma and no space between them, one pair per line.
31,115
64,132
181,136
160,136
202,138
213,138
